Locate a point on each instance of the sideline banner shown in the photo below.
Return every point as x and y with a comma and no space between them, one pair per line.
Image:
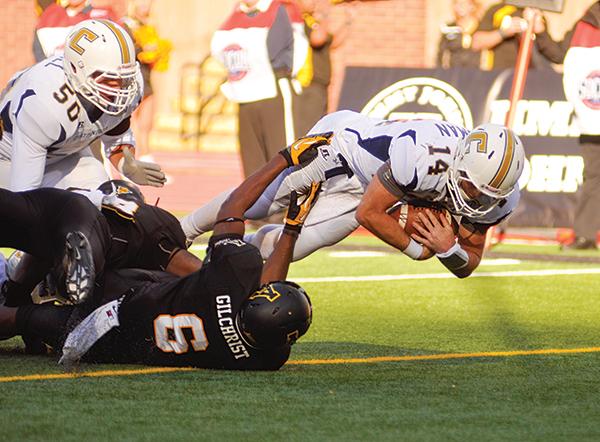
544,120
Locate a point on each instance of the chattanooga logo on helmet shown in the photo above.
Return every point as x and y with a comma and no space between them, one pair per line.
420,98
99,63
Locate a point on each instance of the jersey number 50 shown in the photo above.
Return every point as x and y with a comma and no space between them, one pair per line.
62,97
169,335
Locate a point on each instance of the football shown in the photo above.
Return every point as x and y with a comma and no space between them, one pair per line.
406,214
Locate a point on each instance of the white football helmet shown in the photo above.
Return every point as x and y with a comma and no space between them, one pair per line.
486,168
97,53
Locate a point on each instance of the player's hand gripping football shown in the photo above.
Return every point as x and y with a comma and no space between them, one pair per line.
305,149
434,231
298,211
141,172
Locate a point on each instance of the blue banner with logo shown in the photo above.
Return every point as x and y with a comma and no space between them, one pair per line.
544,121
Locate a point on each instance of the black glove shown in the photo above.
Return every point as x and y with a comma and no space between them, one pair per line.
297,212
305,149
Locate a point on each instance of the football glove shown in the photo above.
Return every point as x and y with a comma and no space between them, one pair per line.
305,149
298,211
141,172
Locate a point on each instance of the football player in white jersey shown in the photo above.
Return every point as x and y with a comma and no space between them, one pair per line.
51,112
367,165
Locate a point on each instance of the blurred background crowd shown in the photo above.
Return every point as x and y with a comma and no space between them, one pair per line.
199,96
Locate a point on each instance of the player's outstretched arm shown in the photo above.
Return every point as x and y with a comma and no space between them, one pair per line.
230,216
276,267
372,214
460,255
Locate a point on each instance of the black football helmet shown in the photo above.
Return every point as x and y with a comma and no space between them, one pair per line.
275,315
125,190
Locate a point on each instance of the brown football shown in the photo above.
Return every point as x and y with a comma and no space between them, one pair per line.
406,214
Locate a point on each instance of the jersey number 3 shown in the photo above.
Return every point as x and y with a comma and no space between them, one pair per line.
170,337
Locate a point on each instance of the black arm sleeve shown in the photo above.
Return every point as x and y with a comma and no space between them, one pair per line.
121,128
554,51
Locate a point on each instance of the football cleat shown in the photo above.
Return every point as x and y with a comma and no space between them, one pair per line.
78,268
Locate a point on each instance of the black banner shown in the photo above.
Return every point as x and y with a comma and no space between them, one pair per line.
544,121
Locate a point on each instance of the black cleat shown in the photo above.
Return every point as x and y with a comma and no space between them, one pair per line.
78,268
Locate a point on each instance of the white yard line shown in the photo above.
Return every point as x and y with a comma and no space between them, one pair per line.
448,275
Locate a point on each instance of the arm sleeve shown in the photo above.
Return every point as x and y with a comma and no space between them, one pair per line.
286,41
387,179
554,51
280,42
32,135
122,134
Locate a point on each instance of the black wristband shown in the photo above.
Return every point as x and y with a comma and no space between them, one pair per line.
216,238
292,230
285,154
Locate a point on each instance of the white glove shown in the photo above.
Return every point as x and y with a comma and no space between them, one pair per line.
141,172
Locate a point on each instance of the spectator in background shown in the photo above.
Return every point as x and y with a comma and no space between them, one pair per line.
315,75
263,46
56,21
455,44
153,55
41,5
498,36
579,51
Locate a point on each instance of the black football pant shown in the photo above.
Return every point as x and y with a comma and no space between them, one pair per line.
37,222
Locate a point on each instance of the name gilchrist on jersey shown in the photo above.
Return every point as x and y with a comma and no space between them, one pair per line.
227,326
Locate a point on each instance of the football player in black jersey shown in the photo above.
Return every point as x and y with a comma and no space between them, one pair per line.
128,233
233,313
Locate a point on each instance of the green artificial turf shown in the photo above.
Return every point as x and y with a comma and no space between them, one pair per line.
530,397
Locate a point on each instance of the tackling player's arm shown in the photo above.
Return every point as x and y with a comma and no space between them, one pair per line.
371,213
119,145
276,267
462,254
300,153
230,219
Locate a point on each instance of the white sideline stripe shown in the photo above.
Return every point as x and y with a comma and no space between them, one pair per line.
358,254
448,275
499,262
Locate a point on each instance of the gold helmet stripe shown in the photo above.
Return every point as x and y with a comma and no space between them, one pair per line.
507,160
125,53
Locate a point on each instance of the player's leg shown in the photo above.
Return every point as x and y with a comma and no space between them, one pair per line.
203,219
330,220
275,198
83,235
4,174
311,239
61,229
46,322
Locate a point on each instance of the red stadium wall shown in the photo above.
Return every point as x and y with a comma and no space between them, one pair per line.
17,22
382,33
